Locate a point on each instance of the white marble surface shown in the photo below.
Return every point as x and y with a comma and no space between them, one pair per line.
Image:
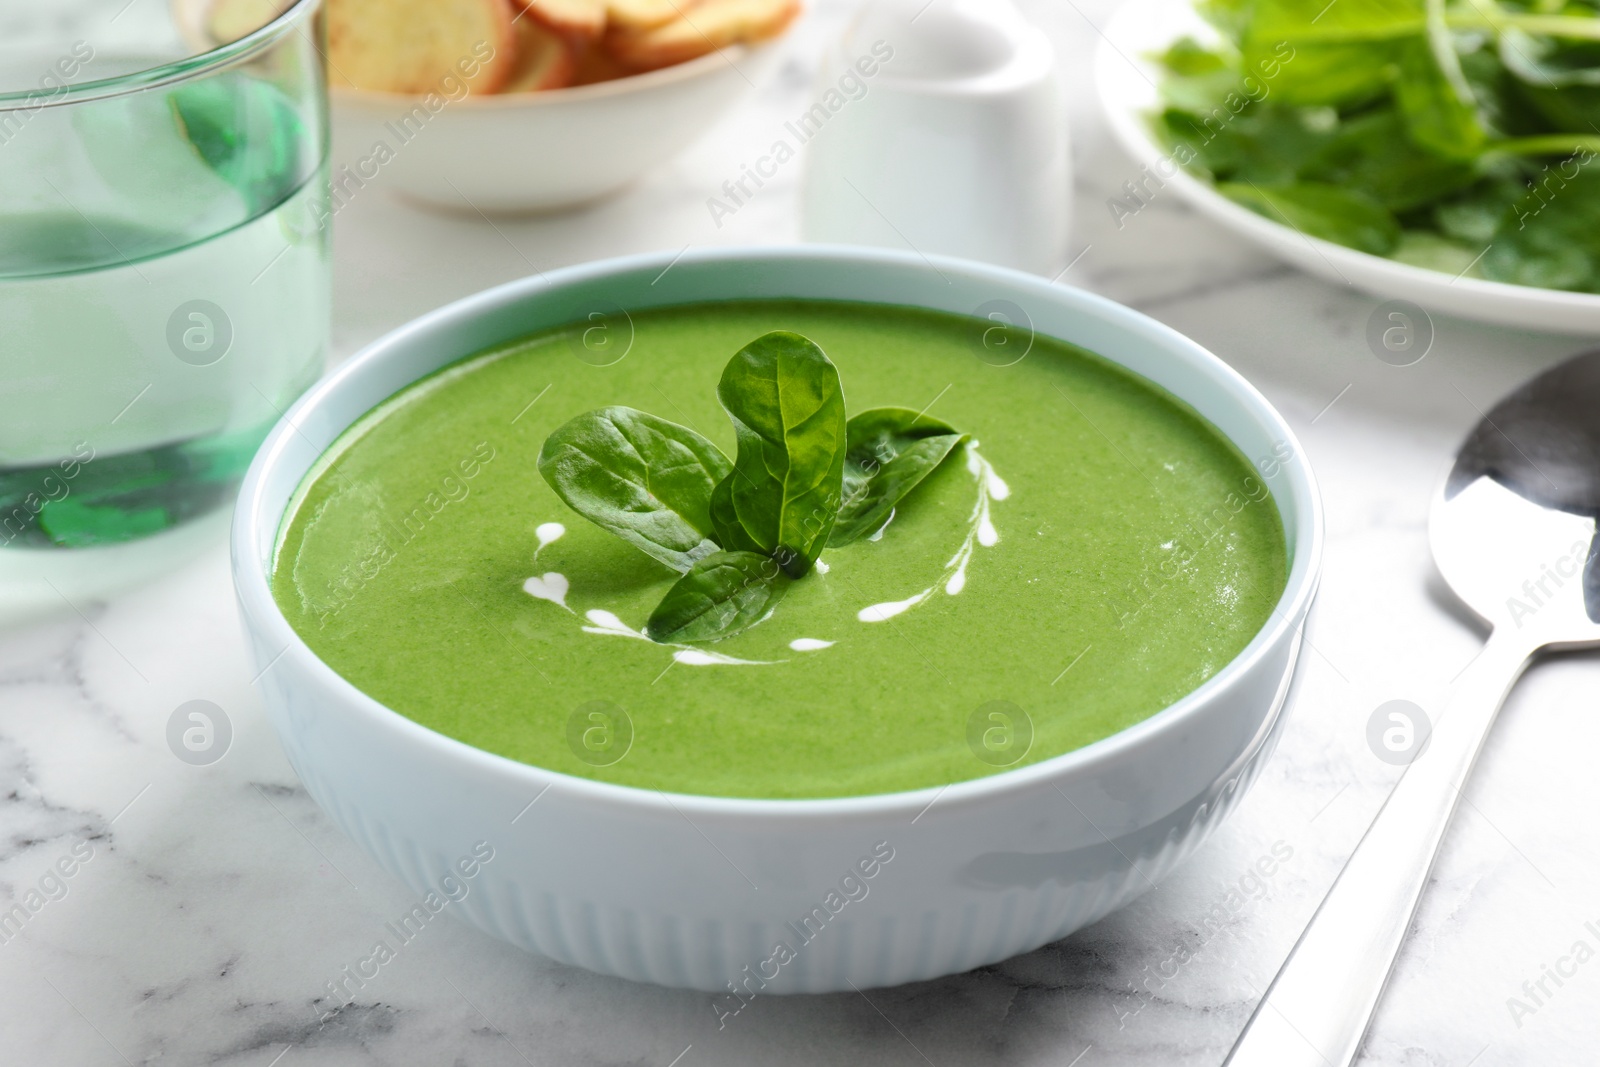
219,901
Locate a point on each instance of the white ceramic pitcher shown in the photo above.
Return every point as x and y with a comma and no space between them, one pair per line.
945,133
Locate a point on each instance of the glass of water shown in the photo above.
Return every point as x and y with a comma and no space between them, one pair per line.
164,259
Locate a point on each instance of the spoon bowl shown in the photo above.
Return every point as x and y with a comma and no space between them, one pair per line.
1513,526
1518,565
1513,531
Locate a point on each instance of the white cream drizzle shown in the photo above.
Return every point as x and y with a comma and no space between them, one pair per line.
980,532
548,586
889,609
546,533
809,644
699,657
607,624
877,535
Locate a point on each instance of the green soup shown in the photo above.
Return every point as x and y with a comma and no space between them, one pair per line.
1098,553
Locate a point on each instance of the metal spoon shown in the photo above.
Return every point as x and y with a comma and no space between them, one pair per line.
1513,531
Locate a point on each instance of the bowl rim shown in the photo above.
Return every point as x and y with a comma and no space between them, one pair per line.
262,618
628,84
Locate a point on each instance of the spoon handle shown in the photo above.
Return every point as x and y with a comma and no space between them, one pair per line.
1317,1009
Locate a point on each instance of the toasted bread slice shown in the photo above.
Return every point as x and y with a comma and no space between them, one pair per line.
577,18
594,64
412,46
228,20
546,60
644,14
702,28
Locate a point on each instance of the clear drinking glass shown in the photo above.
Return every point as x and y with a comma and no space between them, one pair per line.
164,261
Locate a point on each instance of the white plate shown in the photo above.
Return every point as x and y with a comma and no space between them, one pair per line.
1126,78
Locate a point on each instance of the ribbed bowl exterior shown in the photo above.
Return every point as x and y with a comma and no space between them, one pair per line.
768,896
960,910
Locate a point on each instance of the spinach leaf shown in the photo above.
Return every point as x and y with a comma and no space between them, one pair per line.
645,479
1318,22
1328,54
890,450
1264,144
787,406
740,532
725,521
1551,238
1201,79
1560,82
1424,248
1439,105
1232,17
1373,153
1475,215
1325,75
722,594
1343,216
1423,130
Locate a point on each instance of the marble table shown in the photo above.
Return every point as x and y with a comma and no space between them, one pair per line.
216,903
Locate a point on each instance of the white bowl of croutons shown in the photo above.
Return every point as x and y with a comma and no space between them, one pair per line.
500,106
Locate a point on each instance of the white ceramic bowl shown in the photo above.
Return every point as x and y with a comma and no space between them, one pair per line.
519,152
1126,81
536,151
691,890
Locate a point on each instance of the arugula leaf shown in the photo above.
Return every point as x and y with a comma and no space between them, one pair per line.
1343,216
645,479
890,450
787,406
722,594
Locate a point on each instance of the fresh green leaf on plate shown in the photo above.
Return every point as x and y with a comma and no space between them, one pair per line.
1431,251
1439,106
1552,241
1432,132
1327,54
1200,79
1340,215
1374,154
1265,145
1324,75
